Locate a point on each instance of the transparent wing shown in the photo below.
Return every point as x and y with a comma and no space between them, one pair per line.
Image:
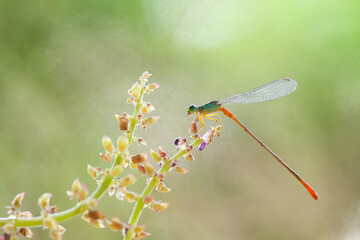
267,92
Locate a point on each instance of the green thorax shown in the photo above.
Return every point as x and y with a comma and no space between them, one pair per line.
209,107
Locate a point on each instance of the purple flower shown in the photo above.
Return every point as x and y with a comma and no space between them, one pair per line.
176,142
202,146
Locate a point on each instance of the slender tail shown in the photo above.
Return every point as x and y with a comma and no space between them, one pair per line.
307,186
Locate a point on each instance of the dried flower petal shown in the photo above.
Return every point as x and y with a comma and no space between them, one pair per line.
141,141
162,154
123,123
193,128
148,199
105,157
141,235
96,222
115,224
26,232
141,169
140,158
61,229
96,214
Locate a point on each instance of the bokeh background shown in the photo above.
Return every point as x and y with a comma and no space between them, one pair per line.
66,66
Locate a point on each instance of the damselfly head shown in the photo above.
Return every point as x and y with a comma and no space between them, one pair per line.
191,109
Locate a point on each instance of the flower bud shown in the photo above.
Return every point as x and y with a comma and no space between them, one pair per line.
149,168
8,228
44,201
128,180
130,196
161,187
147,108
78,190
16,202
93,172
189,157
135,90
145,76
111,190
158,206
181,170
161,176
107,143
139,228
148,199
93,203
26,214
153,86
147,121
130,100
122,143
116,170
84,192
155,156
50,223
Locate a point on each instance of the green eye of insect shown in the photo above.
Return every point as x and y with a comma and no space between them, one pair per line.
191,109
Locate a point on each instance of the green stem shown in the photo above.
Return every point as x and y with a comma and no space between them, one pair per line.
69,213
136,112
139,206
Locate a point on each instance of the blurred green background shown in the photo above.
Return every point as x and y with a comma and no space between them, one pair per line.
66,66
